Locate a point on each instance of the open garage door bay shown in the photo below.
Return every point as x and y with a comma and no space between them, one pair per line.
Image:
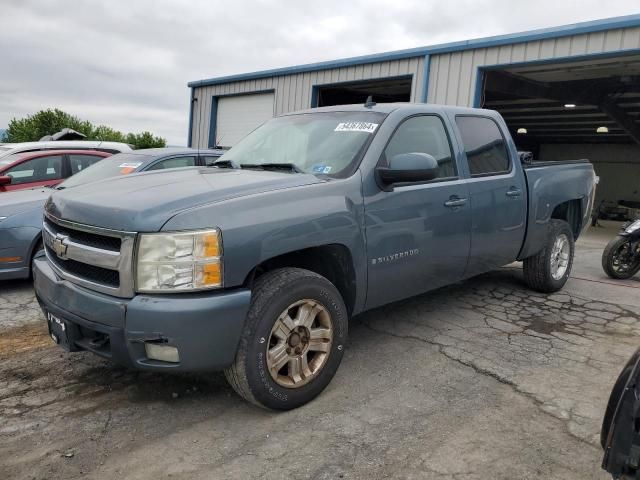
576,109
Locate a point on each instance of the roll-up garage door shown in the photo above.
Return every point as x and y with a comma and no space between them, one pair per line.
238,115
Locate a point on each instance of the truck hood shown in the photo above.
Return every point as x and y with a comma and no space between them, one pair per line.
144,202
12,203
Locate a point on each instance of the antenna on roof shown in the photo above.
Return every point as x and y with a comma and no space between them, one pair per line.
369,102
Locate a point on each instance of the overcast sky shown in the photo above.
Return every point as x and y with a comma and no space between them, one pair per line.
126,63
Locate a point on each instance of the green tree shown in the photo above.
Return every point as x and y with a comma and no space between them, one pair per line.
107,134
145,140
44,122
47,122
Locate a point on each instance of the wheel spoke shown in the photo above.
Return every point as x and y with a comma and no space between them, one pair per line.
306,314
283,327
320,340
320,334
278,356
298,369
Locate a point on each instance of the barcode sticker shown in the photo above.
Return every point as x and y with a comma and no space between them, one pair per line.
365,127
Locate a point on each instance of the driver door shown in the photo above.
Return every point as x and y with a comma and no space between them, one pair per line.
418,234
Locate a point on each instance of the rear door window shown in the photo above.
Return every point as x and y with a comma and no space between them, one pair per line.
80,162
39,169
175,162
484,145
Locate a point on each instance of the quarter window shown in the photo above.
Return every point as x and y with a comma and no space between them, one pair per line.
40,169
484,145
423,134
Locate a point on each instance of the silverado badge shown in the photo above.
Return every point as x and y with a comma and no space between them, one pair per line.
58,244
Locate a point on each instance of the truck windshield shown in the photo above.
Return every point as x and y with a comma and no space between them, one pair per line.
324,143
119,164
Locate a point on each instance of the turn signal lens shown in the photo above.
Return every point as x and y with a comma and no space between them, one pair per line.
10,259
208,275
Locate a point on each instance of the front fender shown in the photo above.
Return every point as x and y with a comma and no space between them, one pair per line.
259,227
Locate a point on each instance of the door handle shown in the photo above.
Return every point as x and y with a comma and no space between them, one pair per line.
513,192
455,202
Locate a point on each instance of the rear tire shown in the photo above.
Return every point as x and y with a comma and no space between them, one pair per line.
549,269
293,340
608,260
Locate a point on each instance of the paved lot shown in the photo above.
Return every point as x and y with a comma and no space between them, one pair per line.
484,379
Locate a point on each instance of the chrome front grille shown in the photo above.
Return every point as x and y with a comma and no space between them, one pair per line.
93,257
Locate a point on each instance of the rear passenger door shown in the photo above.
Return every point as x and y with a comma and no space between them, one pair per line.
417,233
497,192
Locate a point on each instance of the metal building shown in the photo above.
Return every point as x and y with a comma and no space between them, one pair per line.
571,91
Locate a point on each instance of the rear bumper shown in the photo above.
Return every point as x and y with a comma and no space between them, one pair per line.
204,327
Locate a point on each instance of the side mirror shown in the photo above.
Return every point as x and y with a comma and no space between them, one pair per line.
409,167
525,157
5,180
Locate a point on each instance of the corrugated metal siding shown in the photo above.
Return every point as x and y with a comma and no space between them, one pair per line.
293,92
452,77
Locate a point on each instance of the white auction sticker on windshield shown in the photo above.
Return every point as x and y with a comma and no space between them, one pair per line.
365,127
130,165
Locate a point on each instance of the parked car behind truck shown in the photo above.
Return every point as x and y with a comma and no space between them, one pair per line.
98,145
21,212
44,168
255,267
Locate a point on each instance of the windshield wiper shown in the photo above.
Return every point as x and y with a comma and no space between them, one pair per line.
225,164
292,167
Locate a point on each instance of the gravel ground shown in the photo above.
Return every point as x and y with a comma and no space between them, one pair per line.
483,379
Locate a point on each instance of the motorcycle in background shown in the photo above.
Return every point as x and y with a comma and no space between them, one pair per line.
621,256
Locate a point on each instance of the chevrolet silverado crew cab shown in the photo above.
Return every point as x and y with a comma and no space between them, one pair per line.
254,265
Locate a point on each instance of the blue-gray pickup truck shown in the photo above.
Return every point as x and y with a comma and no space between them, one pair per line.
255,267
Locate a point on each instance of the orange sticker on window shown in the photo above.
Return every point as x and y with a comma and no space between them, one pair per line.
127,170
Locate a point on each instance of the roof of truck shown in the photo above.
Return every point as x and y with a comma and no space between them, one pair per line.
387,108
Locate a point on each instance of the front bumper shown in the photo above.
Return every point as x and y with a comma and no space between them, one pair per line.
204,327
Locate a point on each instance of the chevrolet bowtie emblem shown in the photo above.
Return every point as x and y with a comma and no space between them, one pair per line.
59,245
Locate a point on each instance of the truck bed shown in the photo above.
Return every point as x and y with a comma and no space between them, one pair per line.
552,163
549,184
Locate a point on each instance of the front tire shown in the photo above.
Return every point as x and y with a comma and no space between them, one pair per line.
549,269
611,263
293,340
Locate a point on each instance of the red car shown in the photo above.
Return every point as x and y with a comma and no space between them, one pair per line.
44,168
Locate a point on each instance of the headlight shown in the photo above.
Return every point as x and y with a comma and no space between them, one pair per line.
2,218
183,261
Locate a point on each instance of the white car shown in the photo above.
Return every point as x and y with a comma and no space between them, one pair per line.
110,147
